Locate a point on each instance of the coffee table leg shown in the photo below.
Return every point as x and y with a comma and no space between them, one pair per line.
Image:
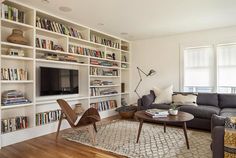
185,134
164,127
140,128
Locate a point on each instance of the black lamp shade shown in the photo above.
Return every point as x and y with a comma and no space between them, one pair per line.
151,72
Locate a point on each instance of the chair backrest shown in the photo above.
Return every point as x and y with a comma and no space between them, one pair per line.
68,111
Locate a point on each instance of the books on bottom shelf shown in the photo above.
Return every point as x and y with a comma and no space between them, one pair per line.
157,113
13,97
13,124
104,105
47,117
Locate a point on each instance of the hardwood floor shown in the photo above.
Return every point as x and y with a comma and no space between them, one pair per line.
47,147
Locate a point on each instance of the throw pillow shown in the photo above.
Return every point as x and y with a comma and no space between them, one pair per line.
184,99
230,137
163,96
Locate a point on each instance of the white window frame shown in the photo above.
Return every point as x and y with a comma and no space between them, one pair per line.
215,56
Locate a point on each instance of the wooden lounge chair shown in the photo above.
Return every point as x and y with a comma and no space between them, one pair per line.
86,122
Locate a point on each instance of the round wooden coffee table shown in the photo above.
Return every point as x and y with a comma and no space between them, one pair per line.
182,117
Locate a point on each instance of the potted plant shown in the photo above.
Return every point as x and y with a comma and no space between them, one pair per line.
173,110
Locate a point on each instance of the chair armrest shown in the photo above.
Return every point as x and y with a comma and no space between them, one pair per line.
217,121
218,142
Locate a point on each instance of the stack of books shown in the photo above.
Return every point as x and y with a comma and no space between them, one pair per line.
13,124
86,51
100,83
103,63
102,72
43,43
104,105
157,113
47,117
107,42
13,74
57,27
12,13
13,97
98,91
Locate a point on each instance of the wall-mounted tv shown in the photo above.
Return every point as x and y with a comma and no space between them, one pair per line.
57,81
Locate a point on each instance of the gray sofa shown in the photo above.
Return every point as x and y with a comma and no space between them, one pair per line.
208,105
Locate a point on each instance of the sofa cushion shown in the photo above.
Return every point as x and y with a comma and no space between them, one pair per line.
228,112
227,100
201,111
207,99
147,99
160,106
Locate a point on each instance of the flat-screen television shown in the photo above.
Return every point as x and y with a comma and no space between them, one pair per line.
57,81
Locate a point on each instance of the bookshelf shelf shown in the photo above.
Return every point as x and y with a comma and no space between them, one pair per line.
107,67
16,58
20,81
104,76
104,86
15,25
91,45
16,106
125,93
8,44
60,62
103,96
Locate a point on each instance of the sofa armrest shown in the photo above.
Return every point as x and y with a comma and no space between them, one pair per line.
217,121
218,142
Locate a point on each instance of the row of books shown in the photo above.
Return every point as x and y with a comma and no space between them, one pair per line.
100,83
12,13
102,91
104,105
13,124
103,63
86,51
57,27
107,42
13,74
13,97
102,72
47,117
43,43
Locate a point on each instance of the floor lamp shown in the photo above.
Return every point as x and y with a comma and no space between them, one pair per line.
151,73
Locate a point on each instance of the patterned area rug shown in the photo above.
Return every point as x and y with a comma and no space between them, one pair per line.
120,137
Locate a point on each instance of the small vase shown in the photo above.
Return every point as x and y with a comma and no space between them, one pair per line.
17,37
173,111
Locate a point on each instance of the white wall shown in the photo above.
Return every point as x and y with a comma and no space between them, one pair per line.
163,55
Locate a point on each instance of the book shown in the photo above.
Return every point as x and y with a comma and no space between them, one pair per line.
156,113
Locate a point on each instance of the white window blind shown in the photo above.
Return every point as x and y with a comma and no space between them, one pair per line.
198,69
226,59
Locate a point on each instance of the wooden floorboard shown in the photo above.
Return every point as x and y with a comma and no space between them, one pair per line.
47,147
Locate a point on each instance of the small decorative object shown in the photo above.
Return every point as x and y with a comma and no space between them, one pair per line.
151,73
16,52
173,110
123,102
124,48
17,37
122,87
127,112
78,109
58,47
113,56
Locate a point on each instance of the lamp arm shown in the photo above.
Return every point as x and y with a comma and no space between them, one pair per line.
141,71
140,80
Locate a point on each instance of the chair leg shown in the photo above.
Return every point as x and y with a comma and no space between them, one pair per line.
95,127
92,134
59,125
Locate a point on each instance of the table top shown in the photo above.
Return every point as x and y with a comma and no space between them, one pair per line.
181,117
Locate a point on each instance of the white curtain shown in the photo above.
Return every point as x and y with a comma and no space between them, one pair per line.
198,68
226,59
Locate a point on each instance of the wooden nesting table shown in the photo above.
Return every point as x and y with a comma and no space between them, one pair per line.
182,117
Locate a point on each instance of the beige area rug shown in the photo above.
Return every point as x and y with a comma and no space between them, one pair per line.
120,137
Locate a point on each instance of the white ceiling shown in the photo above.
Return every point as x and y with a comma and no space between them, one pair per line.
143,19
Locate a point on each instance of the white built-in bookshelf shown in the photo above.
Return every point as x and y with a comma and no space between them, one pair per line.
110,56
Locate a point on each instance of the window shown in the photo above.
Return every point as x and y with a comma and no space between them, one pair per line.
207,71
198,68
226,63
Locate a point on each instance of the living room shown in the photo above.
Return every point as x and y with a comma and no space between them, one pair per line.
118,78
